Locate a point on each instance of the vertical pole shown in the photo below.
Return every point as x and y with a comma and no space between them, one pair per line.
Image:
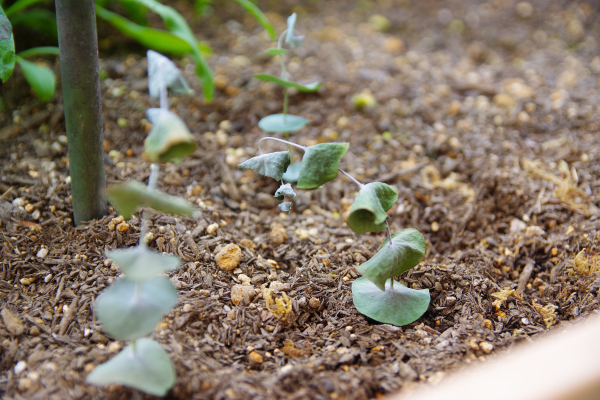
79,71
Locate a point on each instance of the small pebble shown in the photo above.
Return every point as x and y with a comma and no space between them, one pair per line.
242,294
13,323
278,235
486,347
255,358
229,257
212,228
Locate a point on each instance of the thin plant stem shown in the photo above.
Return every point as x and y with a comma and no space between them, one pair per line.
353,179
280,140
389,232
152,180
133,346
163,98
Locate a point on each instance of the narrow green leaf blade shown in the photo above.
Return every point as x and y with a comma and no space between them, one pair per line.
40,51
7,48
397,305
139,263
20,5
308,88
275,52
272,164
169,139
162,71
320,164
406,250
145,367
262,19
368,210
129,309
41,79
128,196
282,123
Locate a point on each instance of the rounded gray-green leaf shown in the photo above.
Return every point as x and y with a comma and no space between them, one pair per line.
169,139
145,367
272,165
368,212
292,173
282,123
320,164
130,310
139,263
128,196
406,250
162,71
397,305
308,88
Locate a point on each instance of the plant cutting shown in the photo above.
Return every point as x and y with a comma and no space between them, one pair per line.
130,309
376,295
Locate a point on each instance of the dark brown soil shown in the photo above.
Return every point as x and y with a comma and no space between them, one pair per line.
487,122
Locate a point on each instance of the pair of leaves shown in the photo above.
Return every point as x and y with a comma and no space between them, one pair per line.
169,139
285,190
368,212
143,365
128,196
319,164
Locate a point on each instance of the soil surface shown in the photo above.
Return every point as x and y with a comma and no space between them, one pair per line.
486,121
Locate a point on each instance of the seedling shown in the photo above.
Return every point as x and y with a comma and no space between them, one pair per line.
376,294
136,302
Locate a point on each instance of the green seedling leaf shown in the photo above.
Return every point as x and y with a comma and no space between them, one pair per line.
144,366
129,309
276,52
262,19
162,71
285,206
284,191
397,305
139,263
368,210
320,164
177,25
169,139
290,38
406,250
272,164
308,88
292,173
128,196
40,51
20,5
155,39
41,79
282,123
7,48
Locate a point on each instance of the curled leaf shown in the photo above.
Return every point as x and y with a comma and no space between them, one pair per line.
290,38
368,210
282,123
284,191
285,206
405,251
320,164
139,262
162,71
272,164
169,139
128,196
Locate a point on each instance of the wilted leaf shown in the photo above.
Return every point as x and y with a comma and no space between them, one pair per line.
162,71
308,88
144,366
285,206
139,262
406,250
130,310
368,210
282,123
169,139
284,191
320,164
41,79
397,305
272,164
128,196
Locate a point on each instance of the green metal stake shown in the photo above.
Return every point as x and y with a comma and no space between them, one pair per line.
79,70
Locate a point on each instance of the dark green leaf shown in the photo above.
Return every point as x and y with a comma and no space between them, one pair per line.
282,123
7,48
275,52
41,79
397,305
129,310
21,5
320,164
169,139
368,210
262,19
271,164
144,366
406,250
140,263
40,51
128,196
308,88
